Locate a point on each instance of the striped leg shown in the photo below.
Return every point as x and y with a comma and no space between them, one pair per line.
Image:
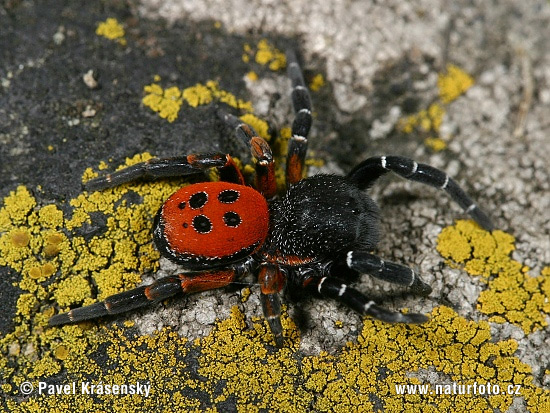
167,167
272,281
364,175
364,262
297,146
332,287
142,296
265,167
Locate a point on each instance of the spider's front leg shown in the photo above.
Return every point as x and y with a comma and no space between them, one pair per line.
142,296
170,167
368,171
301,102
260,150
272,281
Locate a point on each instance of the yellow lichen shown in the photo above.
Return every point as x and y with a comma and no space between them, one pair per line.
125,248
435,144
20,238
112,30
54,238
317,82
427,121
50,216
17,206
72,291
285,133
35,273
281,144
228,98
248,169
167,102
267,54
451,84
245,294
61,352
454,83
51,250
317,162
253,76
26,304
512,295
42,272
259,125
198,95
88,174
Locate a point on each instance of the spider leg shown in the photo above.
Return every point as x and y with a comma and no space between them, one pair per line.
364,175
260,150
332,287
301,102
272,281
142,296
365,262
168,167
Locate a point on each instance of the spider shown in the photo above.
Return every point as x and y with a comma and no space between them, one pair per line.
220,231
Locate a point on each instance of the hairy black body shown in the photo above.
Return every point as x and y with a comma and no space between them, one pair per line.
320,217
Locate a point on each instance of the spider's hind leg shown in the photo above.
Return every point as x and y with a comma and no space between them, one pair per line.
332,287
147,294
365,262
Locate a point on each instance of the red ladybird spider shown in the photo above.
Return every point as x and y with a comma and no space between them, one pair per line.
220,231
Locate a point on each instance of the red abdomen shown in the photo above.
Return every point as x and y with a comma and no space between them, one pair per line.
208,223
